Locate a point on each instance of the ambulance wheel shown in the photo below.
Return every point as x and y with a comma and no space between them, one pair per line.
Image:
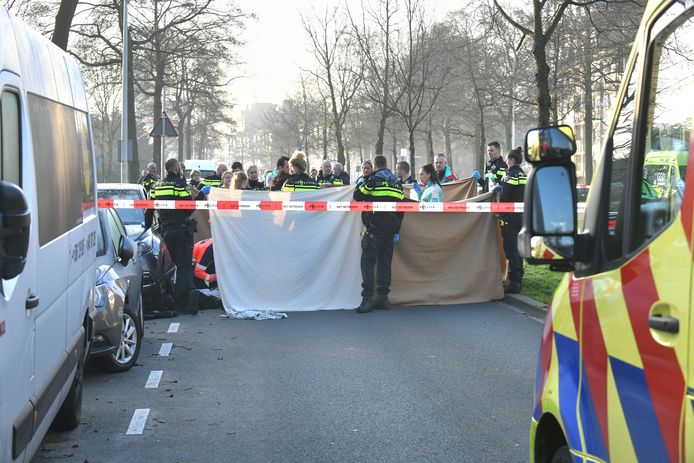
562,455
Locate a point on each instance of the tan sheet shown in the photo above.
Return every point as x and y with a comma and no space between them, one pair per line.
446,259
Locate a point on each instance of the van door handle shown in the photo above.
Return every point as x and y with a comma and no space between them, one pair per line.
667,324
32,302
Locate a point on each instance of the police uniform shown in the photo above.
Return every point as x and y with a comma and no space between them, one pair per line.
331,179
377,242
498,168
512,191
300,182
148,181
177,229
213,181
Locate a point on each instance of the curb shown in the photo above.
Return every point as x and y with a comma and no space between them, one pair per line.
527,304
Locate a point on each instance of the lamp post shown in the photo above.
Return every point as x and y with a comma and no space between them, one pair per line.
124,112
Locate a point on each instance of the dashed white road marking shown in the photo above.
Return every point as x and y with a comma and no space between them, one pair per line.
165,349
137,423
173,328
154,378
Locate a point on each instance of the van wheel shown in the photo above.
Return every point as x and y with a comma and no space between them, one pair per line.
129,347
562,455
68,417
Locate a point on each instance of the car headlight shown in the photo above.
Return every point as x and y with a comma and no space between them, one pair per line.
100,295
145,245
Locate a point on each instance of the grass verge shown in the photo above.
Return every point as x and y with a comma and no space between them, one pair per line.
539,282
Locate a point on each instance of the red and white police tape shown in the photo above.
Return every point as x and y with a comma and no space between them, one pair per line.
325,206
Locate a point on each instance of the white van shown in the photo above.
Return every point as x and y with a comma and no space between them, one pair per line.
206,167
47,241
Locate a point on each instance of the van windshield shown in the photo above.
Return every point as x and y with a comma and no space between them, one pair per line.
127,216
203,173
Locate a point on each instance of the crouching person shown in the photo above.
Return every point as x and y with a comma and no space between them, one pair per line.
205,277
381,230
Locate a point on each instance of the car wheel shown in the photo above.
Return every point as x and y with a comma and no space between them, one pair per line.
562,455
129,347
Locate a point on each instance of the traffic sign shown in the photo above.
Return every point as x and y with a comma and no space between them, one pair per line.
163,127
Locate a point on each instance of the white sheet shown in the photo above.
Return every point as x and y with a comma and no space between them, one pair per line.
287,261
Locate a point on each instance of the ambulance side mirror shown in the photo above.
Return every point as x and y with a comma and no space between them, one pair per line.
549,228
556,143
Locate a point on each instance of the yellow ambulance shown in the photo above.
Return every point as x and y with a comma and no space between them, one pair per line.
615,373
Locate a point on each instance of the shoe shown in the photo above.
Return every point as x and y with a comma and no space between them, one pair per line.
365,306
382,303
513,288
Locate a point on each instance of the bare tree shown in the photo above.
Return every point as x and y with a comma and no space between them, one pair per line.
422,70
375,31
63,22
340,68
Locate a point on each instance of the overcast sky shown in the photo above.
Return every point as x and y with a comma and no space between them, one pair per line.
276,47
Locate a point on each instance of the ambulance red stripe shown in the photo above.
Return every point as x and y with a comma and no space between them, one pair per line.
662,369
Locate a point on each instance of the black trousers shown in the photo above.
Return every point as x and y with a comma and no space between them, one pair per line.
180,244
509,233
377,249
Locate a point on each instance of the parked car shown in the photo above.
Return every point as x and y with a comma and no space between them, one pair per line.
158,269
118,323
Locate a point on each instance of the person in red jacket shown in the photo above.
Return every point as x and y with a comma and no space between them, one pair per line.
205,277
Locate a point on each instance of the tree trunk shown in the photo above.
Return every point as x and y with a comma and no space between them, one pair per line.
182,135
447,143
411,149
381,133
63,22
508,127
189,138
395,150
481,147
430,138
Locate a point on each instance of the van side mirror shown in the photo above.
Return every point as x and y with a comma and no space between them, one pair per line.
15,221
549,222
554,143
126,250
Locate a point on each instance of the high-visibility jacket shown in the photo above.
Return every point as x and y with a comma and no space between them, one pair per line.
172,187
382,186
148,181
213,180
497,167
513,188
331,179
300,182
204,272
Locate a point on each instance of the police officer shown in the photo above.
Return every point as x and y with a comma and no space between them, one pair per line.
512,188
495,169
150,178
326,176
216,179
381,230
177,228
299,180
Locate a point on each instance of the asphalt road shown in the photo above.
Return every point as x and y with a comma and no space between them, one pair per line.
408,385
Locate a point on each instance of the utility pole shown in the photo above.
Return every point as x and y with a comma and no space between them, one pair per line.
124,113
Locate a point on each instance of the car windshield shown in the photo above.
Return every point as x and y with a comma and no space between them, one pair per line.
127,216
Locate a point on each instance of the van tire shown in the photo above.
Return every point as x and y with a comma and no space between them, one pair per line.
68,417
562,455
110,363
